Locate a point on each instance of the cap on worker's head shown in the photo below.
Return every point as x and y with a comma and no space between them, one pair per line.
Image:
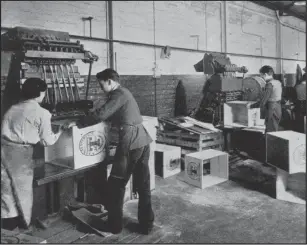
108,74
32,88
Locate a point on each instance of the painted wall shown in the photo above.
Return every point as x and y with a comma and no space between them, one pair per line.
238,27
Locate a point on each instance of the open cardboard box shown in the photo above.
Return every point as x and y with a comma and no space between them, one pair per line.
78,147
238,114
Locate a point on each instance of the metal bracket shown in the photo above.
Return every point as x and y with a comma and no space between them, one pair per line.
90,20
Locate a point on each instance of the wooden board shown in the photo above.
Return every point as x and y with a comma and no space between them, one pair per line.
15,237
286,150
197,142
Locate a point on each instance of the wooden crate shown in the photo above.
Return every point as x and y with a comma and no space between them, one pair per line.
151,124
286,150
206,168
196,142
167,160
237,113
77,148
16,237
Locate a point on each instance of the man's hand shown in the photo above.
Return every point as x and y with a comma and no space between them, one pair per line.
68,125
252,105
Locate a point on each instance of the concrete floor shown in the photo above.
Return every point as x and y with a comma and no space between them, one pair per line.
225,213
240,210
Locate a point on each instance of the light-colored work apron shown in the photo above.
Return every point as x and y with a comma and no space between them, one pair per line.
16,180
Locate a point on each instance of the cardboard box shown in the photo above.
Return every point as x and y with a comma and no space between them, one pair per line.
237,113
167,160
78,148
150,124
206,168
286,150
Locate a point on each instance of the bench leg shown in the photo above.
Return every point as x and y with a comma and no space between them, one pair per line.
281,188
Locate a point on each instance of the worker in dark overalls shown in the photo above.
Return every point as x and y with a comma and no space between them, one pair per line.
132,153
270,103
300,103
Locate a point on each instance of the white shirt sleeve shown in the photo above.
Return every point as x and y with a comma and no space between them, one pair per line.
47,137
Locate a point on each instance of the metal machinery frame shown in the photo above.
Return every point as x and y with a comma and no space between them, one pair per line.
48,55
222,86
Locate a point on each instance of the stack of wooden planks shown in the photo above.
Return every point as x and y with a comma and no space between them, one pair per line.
191,135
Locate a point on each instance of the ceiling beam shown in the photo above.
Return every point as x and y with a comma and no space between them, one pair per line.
281,8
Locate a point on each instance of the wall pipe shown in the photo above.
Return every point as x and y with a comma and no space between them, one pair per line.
284,24
155,55
172,47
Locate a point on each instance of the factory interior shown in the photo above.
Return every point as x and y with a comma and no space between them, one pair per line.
218,152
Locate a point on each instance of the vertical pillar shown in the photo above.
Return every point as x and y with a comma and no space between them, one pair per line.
224,20
110,33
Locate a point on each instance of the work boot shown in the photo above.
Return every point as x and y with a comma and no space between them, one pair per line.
145,230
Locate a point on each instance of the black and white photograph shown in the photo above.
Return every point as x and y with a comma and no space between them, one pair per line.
153,122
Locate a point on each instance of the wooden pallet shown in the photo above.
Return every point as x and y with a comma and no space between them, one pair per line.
196,142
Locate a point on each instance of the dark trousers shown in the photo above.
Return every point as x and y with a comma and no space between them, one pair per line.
300,113
10,223
273,116
134,163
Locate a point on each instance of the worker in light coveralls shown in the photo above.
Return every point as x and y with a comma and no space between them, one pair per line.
270,103
24,125
132,153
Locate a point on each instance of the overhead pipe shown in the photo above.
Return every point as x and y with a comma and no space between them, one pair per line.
287,25
172,47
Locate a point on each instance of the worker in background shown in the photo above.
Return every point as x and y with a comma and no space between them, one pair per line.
132,153
300,103
24,125
270,103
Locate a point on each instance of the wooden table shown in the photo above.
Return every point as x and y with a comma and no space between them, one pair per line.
54,186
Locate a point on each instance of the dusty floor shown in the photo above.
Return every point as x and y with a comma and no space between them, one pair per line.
240,210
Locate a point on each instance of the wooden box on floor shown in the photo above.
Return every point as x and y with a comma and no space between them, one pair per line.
150,124
237,113
206,168
167,160
78,148
286,150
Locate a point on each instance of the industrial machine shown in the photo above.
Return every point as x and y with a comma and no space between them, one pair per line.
222,86
48,55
